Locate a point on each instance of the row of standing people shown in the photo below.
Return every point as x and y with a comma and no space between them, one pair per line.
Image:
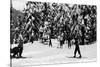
62,38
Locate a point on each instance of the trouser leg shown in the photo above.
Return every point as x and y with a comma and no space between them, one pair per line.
75,51
69,45
79,51
20,52
32,40
61,44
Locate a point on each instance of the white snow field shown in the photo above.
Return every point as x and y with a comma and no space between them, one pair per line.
38,53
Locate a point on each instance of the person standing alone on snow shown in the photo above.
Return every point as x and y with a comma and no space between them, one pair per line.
77,48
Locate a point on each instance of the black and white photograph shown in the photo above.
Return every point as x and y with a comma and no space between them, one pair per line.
44,33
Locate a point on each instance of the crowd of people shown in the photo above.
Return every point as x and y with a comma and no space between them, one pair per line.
46,21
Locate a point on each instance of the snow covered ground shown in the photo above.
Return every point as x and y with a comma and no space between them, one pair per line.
37,54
